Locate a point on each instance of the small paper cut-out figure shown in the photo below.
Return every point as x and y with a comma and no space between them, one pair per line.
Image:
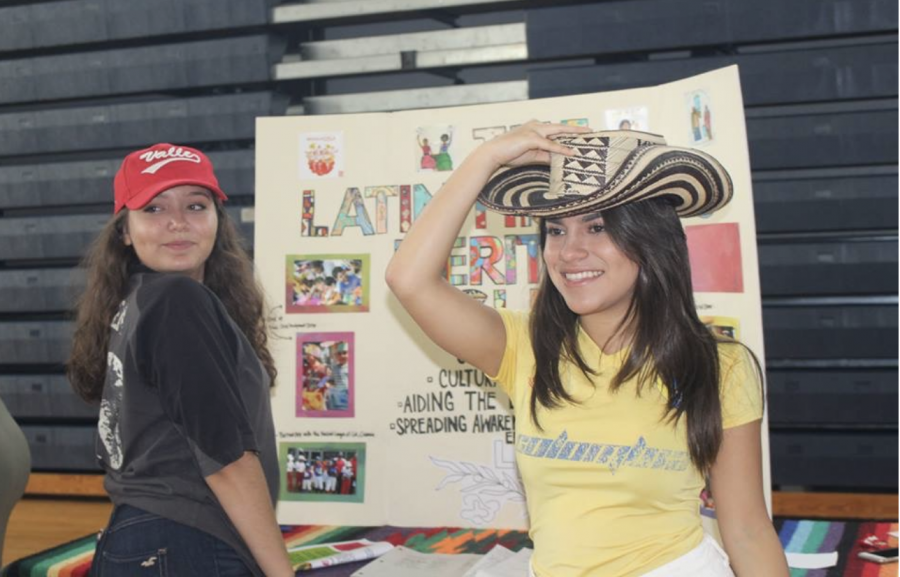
695,119
320,159
427,161
443,160
707,122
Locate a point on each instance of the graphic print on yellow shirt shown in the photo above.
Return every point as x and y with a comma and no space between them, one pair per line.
609,483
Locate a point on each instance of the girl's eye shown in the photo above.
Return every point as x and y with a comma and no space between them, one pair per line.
198,206
151,208
554,231
597,228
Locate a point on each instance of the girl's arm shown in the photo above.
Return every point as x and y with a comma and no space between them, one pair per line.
242,490
454,321
737,487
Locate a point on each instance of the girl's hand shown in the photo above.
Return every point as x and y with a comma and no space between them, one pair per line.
528,144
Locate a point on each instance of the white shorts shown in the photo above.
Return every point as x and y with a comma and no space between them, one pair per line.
705,560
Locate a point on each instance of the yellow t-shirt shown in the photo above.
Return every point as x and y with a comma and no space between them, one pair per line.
610,486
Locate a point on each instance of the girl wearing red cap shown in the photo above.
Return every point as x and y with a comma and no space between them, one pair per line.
623,400
170,339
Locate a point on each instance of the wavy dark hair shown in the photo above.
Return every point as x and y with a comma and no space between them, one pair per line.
228,274
666,337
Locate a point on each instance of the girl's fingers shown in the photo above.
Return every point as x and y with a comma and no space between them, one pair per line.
553,129
564,129
536,137
552,146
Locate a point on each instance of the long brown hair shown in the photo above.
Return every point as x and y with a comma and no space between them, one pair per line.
228,273
667,339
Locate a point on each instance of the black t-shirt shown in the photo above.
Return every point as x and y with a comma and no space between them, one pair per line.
185,395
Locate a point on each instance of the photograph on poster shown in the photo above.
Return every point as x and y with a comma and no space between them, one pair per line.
631,118
325,376
727,327
322,155
575,122
433,148
327,283
715,254
701,117
325,472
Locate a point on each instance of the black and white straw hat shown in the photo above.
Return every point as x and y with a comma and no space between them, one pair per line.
611,168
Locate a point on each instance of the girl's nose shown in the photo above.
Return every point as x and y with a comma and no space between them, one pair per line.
177,221
574,248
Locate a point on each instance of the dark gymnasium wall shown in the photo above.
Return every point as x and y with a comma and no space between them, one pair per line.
82,82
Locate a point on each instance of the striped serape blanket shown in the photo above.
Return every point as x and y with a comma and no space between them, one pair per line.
797,535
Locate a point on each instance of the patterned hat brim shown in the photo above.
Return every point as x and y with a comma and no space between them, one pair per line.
695,183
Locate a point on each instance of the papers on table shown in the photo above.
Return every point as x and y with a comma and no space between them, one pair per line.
403,562
308,557
501,562
494,557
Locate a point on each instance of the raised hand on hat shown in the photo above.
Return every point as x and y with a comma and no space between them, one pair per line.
457,323
529,143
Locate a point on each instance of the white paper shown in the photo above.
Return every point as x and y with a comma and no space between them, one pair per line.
365,543
514,566
403,562
496,555
351,556
893,533
812,560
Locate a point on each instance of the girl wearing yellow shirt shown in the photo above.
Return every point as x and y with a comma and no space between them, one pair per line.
624,400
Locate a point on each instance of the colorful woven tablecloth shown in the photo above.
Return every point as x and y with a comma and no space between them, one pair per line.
805,536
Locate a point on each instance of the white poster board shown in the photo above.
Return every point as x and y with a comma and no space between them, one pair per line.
404,433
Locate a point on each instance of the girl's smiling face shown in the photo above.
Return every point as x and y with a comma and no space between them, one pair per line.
588,269
174,232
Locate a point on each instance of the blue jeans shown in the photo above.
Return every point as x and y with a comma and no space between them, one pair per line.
137,543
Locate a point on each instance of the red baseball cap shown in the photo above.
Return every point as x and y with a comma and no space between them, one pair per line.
150,171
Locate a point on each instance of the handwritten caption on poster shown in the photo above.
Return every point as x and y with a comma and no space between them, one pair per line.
460,401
